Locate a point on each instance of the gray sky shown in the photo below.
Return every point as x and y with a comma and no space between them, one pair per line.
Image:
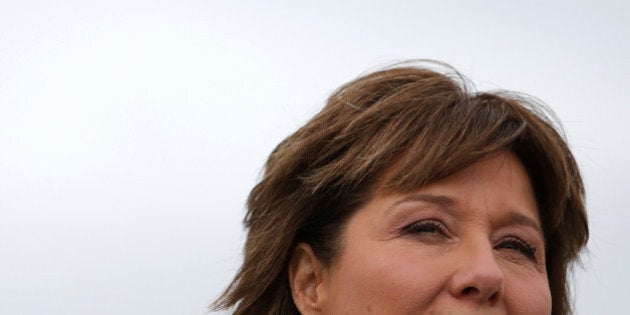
131,131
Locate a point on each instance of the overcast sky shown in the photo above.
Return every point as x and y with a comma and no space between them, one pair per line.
132,131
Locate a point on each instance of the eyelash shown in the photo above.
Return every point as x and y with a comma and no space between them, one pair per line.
419,227
519,245
433,226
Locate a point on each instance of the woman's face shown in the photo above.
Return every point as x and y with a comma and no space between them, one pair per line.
468,244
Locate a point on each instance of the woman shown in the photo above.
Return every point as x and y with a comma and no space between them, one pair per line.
409,193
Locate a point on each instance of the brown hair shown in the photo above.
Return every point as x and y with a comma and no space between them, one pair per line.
400,129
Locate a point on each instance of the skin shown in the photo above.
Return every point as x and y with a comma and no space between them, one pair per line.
470,243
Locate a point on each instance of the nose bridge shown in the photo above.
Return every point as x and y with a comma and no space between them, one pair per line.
482,257
479,275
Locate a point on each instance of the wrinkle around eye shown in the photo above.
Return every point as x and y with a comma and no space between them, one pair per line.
514,256
430,231
518,245
428,226
528,244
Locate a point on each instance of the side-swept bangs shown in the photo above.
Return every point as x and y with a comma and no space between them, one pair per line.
397,130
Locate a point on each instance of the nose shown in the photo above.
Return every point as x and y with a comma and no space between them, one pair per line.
478,277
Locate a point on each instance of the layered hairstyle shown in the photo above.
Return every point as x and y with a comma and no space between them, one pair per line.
396,130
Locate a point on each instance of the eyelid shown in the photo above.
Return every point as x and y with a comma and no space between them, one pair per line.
441,227
531,250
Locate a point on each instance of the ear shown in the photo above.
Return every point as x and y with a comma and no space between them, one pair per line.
308,279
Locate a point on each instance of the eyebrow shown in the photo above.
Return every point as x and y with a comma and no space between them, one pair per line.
446,203
516,218
440,200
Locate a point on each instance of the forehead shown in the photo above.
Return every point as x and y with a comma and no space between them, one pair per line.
499,180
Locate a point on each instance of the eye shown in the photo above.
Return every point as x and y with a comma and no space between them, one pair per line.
425,227
516,244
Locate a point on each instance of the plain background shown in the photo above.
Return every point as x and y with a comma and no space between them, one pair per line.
132,131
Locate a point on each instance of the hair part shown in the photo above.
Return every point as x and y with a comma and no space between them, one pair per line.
396,130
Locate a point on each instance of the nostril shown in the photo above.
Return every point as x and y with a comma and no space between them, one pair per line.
469,291
493,297
475,293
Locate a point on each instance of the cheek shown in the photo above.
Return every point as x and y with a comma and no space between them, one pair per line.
529,295
385,279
